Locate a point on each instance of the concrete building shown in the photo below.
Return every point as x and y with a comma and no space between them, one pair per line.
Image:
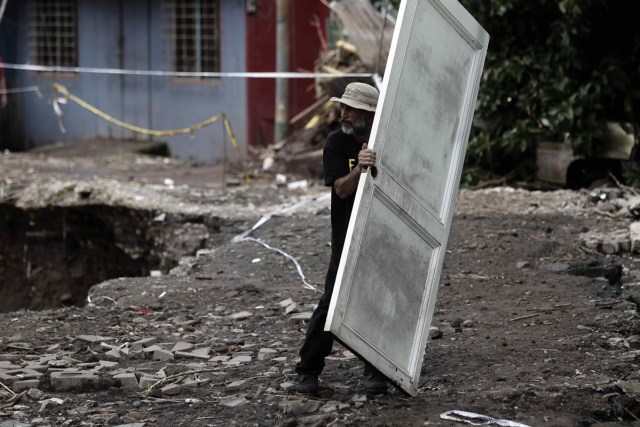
165,35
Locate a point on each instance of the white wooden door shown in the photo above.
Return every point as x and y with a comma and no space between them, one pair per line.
389,273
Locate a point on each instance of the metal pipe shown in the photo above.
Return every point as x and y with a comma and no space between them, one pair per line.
282,65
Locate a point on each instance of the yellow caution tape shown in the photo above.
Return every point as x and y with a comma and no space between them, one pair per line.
191,130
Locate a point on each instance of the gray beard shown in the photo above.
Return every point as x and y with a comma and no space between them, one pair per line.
359,128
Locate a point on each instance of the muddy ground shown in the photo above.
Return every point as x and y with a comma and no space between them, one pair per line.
514,336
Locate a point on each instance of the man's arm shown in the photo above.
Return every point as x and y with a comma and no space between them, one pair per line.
348,184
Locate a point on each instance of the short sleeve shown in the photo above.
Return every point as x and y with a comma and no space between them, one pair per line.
334,160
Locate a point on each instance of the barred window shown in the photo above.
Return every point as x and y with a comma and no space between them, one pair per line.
53,37
195,35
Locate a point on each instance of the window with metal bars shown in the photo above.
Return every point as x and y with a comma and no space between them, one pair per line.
195,35
53,37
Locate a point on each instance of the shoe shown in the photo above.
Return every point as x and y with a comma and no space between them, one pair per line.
307,384
375,383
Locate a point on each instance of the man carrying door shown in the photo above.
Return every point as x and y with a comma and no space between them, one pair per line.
345,157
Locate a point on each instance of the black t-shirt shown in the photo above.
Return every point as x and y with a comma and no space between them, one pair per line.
340,156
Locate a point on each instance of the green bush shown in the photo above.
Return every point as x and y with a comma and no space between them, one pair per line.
555,71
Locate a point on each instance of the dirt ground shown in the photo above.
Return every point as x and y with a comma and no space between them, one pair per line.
514,336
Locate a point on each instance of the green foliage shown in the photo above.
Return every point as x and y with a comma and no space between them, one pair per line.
555,71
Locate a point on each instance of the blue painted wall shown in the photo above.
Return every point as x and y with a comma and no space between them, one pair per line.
150,102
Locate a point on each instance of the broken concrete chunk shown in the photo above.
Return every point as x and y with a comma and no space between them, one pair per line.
182,346
266,354
22,385
73,381
238,385
127,380
233,401
292,308
301,317
238,360
171,390
240,315
162,355
286,302
93,338
10,376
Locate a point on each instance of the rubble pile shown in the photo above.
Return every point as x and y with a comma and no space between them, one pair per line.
363,48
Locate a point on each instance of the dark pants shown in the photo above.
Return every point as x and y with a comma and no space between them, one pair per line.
318,342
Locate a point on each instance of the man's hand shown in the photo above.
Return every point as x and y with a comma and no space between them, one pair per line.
348,184
366,158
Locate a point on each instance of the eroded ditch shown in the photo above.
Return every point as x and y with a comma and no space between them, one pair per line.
50,257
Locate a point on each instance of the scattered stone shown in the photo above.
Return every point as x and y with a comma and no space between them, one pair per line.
128,380
266,353
151,349
468,323
219,358
162,355
233,401
301,317
435,333
238,360
292,308
242,315
286,385
93,338
146,381
523,264
139,345
35,394
107,364
171,390
285,303
182,346
238,385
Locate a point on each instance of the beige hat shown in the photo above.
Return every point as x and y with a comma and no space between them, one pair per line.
360,96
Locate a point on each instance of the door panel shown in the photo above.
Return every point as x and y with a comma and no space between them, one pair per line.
389,273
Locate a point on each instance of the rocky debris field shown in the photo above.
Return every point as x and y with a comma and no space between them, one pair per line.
536,320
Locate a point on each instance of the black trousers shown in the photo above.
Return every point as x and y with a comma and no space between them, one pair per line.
318,342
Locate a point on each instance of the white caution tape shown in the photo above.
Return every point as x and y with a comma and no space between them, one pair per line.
35,89
245,236
478,419
58,111
252,75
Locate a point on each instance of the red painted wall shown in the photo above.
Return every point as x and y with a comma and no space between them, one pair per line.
305,47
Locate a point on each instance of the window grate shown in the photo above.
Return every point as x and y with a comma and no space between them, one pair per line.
195,35
53,36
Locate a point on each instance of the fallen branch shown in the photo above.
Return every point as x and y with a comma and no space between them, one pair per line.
524,317
556,307
624,187
13,400
7,388
178,376
607,304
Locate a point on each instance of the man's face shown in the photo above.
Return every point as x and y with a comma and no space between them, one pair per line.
354,121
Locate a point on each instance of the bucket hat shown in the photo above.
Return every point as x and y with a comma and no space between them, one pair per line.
360,96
